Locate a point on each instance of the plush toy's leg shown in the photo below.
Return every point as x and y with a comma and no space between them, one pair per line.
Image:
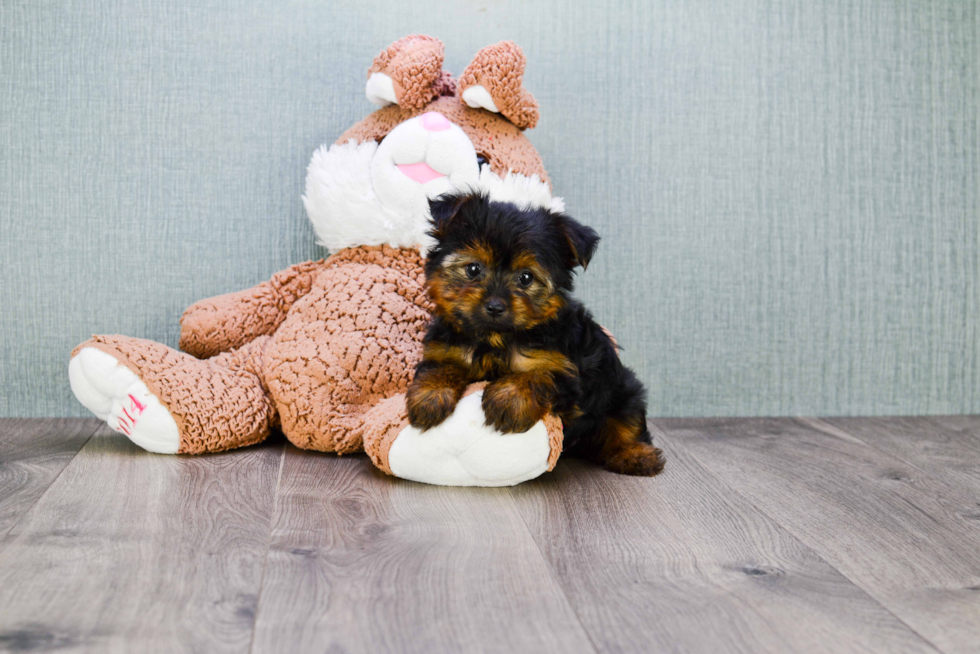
167,401
462,451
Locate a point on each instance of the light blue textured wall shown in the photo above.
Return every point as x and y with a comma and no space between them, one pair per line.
787,191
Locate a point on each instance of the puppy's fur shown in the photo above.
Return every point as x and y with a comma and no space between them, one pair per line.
500,278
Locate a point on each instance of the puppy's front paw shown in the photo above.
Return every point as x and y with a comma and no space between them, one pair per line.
429,405
510,408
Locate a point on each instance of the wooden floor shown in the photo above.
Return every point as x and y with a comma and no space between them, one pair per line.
762,535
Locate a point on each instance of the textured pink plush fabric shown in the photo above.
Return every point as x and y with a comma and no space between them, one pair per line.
414,64
222,323
499,69
351,342
386,421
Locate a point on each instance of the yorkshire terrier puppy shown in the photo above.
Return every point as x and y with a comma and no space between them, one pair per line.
500,278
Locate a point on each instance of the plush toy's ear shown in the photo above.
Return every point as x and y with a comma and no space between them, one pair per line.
493,81
409,73
583,241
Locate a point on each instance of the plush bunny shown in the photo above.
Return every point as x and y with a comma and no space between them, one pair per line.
326,349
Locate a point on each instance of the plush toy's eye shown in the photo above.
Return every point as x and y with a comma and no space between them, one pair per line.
473,270
480,160
526,279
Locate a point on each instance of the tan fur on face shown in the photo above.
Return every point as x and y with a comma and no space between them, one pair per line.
451,290
527,261
537,303
454,292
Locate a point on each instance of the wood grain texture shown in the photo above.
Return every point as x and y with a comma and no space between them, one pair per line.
361,562
32,454
947,449
965,426
135,552
885,524
766,535
680,563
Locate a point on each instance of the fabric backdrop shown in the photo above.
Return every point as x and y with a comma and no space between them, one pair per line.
787,190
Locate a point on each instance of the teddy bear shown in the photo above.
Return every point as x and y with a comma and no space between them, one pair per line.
325,350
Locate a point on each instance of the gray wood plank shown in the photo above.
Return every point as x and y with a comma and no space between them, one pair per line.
33,452
136,552
967,426
680,563
948,454
882,522
361,562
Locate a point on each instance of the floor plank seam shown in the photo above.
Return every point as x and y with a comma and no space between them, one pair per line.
268,547
551,573
16,522
792,532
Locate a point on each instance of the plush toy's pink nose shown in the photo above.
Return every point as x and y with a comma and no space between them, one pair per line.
434,122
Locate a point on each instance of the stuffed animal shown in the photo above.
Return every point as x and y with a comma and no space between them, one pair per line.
325,350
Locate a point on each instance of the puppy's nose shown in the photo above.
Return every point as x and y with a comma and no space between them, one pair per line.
434,122
495,307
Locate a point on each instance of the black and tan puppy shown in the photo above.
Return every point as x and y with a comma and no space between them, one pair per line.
500,278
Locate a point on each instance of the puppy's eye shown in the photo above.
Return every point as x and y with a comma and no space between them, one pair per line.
525,279
480,160
473,270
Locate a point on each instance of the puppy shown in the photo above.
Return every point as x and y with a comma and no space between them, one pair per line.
500,278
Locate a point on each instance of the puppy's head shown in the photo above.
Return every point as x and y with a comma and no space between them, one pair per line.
498,268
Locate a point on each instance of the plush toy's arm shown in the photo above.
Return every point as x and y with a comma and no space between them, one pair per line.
228,321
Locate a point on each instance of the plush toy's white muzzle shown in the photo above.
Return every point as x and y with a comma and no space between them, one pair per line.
421,159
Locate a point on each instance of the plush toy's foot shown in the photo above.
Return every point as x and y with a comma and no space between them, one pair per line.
168,401
115,394
462,450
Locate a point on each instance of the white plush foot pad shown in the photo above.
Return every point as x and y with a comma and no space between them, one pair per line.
462,451
115,394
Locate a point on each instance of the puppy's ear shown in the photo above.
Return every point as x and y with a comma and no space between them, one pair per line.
583,240
444,208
